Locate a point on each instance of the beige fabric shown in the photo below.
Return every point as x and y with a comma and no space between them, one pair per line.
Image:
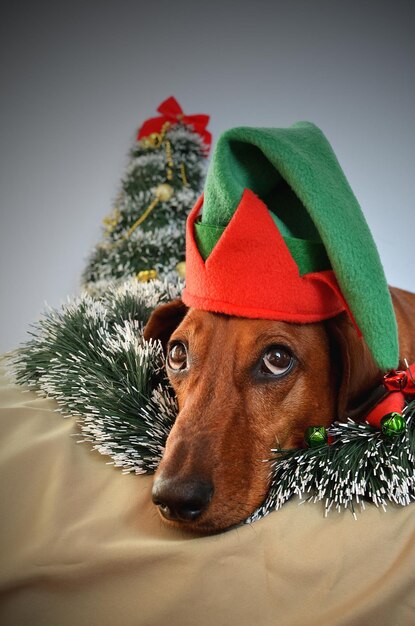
81,544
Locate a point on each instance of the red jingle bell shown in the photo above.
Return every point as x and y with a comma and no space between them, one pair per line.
395,380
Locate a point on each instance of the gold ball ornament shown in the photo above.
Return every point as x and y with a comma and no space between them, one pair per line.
181,269
145,275
164,192
111,221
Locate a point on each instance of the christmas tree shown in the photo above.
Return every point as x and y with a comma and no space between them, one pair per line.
144,236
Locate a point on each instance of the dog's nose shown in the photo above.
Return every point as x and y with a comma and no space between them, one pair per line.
182,500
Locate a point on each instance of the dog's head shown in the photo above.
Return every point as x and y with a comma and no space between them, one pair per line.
245,386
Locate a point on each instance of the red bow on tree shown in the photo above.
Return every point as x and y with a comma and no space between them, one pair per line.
172,112
399,386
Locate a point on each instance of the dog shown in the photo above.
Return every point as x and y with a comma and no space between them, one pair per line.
245,386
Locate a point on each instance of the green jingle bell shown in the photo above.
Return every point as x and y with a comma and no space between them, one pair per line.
316,436
392,424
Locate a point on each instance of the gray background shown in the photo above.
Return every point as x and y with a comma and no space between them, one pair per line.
77,80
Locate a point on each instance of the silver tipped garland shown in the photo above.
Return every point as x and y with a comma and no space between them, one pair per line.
91,357
361,463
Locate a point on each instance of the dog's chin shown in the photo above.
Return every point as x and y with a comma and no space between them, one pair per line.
206,525
199,528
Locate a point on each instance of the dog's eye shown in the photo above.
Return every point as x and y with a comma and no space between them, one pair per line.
276,361
177,357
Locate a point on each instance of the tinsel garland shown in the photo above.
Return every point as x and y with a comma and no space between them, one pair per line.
360,464
91,357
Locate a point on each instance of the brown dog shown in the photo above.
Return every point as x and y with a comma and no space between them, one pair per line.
245,386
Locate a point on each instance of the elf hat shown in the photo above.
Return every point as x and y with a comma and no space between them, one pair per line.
281,236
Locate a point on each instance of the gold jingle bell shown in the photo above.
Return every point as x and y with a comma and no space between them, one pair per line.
152,141
145,275
164,192
181,269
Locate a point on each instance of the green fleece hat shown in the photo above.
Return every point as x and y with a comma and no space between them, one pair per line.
314,215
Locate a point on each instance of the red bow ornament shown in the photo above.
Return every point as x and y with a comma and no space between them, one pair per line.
172,112
399,387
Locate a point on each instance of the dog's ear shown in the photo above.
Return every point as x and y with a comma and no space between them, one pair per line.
164,320
357,374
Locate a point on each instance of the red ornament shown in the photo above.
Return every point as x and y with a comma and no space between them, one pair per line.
395,380
172,112
399,385
394,402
